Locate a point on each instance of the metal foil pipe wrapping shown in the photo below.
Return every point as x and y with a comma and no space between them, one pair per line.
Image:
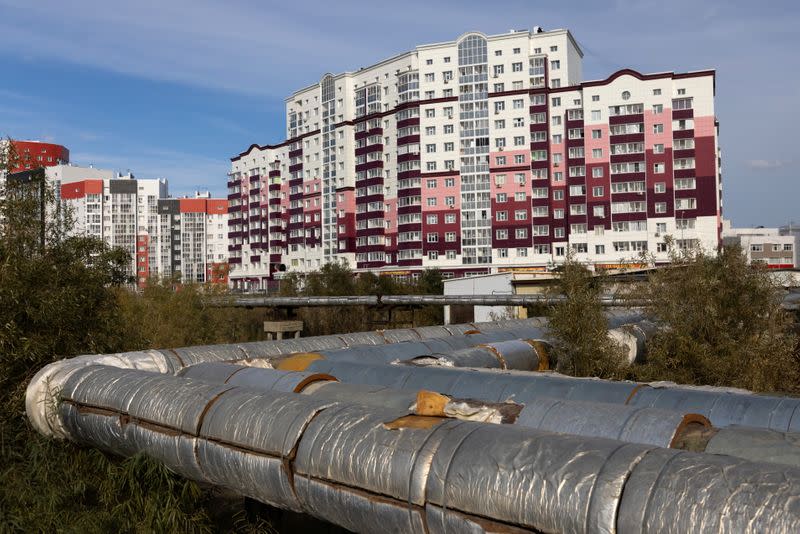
470,357
394,399
757,444
725,408
253,377
671,491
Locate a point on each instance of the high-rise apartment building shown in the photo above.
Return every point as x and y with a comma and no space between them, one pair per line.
164,236
480,154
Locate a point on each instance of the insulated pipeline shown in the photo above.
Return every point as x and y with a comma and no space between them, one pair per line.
375,470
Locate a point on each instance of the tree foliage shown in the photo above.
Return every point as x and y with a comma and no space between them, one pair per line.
723,324
580,329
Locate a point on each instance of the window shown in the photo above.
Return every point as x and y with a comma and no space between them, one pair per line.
447,59
433,255
685,204
430,113
500,142
658,148
432,219
596,115
501,216
429,62
681,91
449,218
658,108
448,128
520,215
516,67
498,69
449,182
449,147
518,103
519,158
595,98
519,196
599,211
499,87
656,92
499,179
757,248
447,75
658,168
519,141
430,130
558,139
432,237
660,187
597,134
558,194
661,247
539,211
450,237
498,52
597,152
429,77
501,197
555,64
431,201
579,228
554,49
661,207
431,183
502,252
501,234
658,128
597,191
558,213
556,101
597,172
449,201
541,230
520,121
430,148
556,120
499,106
559,233
431,165
577,209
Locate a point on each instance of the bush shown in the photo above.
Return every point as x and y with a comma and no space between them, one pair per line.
581,344
723,324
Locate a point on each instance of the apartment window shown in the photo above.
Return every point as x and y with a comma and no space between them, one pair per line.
519,158
555,83
539,211
660,187
500,160
521,233
661,207
554,48
556,101
431,183
502,252
681,91
433,255
558,213
450,237
538,100
429,62
449,182
431,201
519,141
658,128
431,165
555,64
430,113
597,172
432,237
658,108
499,124
519,196
502,216
757,248
449,218
558,194
597,134
430,149
447,59
518,103
432,219
596,115
599,211
577,209
541,230
685,204
516,85
499,106
499,87
558,233
449,201
500,179
500,142
448,128
597,152
430,130
501,197
520,215
658,168
449,147
501,234
447,75
516,67
520,121
429,77
498,70
597,191
661,247
658,148
556,120
656,92
595,98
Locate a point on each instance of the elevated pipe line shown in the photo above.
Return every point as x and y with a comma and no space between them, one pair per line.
374,469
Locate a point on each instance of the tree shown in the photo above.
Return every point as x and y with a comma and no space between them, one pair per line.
723,324
580,329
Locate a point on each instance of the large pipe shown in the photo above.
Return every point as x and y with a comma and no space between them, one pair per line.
647,426
723,407
369,470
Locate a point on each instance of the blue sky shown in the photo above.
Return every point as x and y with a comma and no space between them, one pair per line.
174,88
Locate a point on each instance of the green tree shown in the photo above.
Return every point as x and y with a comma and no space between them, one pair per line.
723,324
580,329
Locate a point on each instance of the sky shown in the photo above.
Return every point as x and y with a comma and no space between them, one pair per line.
174,88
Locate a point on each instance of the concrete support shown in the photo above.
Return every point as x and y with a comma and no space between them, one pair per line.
276,329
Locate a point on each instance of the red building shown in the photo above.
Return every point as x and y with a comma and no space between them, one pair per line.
34,154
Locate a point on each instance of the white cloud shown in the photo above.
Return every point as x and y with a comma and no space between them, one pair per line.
765,164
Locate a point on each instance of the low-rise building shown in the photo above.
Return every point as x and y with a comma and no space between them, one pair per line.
764,245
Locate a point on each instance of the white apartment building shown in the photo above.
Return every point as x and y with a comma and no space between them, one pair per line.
476,155
764,245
